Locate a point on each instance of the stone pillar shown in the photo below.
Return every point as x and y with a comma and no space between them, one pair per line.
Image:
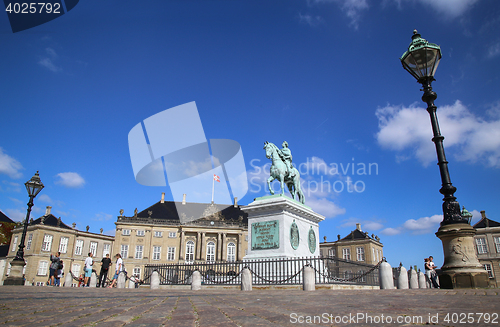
120,283
413,278
154,283
93,280
196,281
68,279
131,283
309,282
198,246
403,278
246,280
240,252
385,276
219,247
422,283
181,247
16,273
461,268
203,254
224,246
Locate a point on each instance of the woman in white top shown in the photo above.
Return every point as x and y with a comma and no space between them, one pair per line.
118,269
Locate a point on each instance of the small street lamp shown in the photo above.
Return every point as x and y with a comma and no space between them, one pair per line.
33,186
461,268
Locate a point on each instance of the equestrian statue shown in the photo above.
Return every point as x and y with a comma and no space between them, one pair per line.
283,170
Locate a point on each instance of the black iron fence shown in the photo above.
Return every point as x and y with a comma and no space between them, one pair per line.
284,271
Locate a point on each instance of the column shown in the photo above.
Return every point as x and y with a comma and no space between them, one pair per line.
181,247
224,247
239,252
203,246
219,247
198,246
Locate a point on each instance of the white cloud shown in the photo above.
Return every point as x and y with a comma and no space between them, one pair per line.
325,207
9,165
366,225
390,231
450,8
472,138
494,50
101,216
15,214
70,179
11,187
423,225
352,8
310,20
49,60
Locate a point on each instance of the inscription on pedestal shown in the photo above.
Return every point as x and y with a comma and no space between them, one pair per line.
265,235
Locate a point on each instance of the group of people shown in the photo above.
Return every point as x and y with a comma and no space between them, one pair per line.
430,272
56,270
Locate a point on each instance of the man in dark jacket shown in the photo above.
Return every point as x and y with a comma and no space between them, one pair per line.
103,275
54,266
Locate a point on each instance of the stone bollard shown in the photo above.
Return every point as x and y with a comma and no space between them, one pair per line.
309,283
196,281
131,283
93,280
154,281
68,280
246,280
422,282
403,278
120,283
385,276
413,278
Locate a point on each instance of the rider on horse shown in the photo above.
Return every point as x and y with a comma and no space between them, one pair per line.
286,156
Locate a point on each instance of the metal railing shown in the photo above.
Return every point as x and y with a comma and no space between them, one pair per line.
282,271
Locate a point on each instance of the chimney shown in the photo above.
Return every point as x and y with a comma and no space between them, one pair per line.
358,227
235,202
47,211
162,197
184,199
483,214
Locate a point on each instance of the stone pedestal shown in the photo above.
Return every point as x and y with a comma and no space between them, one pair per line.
461,268
16,273
280,227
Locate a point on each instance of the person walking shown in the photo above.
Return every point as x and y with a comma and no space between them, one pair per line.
53,267
118,269
59,273
103,275
430,272
88,269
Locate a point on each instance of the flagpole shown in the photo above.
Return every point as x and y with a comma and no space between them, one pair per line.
213,186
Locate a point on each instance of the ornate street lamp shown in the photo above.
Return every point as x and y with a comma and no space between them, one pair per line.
461,268
33,186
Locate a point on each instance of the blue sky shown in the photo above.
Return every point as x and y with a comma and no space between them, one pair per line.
324,75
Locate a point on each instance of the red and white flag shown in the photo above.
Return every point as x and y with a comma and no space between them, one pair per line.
216,178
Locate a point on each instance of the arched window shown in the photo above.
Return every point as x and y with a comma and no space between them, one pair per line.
231,252
210,251
189,251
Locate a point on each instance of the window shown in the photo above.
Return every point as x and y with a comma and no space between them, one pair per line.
47,243
481,245
30,239
496,239
156,252
137,272
8,269
331,252
362,277
360,253
78,247
158,234
93,248
171,254
63,245
189,251
124,251
487,266
373,255
14,244
172,234
231,252
140,232
125,232
138,251
42,268
379,255
105,249
75,269
210,251
346,254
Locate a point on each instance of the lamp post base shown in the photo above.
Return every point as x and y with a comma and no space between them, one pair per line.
461,268
16,273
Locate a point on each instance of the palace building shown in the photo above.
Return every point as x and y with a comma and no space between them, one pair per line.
487,241
156,234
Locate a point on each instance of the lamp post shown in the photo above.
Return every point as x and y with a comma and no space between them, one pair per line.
461,268
33,186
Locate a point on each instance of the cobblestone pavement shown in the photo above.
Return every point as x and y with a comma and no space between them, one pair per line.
50,306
